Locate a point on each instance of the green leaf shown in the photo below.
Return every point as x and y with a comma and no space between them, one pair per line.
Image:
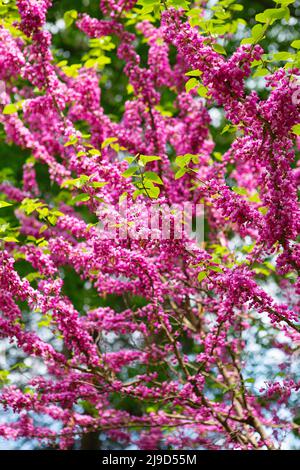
250,380
283,55
202,275
137,193
94,152
194,73
147,2
19,365
180,173
81,198
10,109
295,130
44,323
43,228
184,4
33,276
129,172
236,7
296,44
261,270
153,192
52,219
149,158
150,175
4,204
72,182
220,49
99,62
272,14
241,191
261,72
218,156
216,269
71,70
4,227
130,89
4,376
247,41
229,128
284,3
257,32
269,266
202,91
248,248
69,17
98,184
183,160
108,141
255,198
10,239
263,210
72,141
190,84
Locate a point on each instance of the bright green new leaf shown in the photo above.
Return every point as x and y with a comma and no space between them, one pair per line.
98,184
69,17
257,32
108,141
220,49
10,239
4,204
296,44
184,160
250,380
283,55
296,129
284,3
94,152
241,191
202,91
236,7
180,173
202,275
72,141
153,192
129,172
194,73
81,198
215,269
10,109
190,84
33,276
137,193
272,14
150,175
149,158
